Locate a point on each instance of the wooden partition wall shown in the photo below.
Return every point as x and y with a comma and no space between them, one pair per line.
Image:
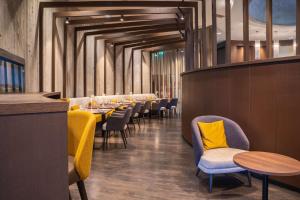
262,97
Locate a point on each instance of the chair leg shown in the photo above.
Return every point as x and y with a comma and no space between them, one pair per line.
249,178
70,197
138,121
82,191
210,183
129,130
104,138
197,172
124,139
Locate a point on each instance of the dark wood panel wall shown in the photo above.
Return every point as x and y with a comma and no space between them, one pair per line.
263,98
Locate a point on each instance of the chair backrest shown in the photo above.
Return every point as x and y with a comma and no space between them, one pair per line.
235,136
136,108
163,103
81,131
127,116
173,102
146,106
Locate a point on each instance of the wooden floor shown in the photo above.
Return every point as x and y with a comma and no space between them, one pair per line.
158,164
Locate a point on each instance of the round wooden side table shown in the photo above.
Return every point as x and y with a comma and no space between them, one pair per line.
267,164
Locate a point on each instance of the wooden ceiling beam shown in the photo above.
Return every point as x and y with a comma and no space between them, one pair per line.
151,42
179,45
93,20
72,4
157,44
145,29
127,41
126,24
85,13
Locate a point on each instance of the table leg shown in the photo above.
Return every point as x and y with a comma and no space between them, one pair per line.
265,187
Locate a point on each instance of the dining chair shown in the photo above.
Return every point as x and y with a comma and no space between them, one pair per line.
219,160
172,106
158,108
117,123
81,130
135,114
145,110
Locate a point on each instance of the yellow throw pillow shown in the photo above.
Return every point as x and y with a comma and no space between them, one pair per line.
213,134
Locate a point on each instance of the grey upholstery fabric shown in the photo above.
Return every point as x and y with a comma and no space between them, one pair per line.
117,121
136,109
172,104
235,136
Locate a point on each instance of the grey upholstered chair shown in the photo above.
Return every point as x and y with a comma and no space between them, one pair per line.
135,114
157,108
116,123
219,161
145,110
172,105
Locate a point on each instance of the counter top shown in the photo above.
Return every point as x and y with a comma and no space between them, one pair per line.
11,104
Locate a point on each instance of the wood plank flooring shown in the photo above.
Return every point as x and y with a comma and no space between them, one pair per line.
158,164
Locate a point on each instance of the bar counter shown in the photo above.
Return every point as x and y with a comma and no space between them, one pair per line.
33,147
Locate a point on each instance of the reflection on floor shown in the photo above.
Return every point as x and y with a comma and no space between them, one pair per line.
158,164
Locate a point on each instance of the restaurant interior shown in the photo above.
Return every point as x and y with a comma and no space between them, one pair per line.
149,99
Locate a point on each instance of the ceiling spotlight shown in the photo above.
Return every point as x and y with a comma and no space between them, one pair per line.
67,21
122,18
219,33
182,17
144,41
111,45
107,16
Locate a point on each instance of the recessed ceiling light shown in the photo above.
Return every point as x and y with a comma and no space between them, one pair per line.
182,17
107,16
219,33
122,18
67,21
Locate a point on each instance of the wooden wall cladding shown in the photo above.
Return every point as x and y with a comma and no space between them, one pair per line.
263,98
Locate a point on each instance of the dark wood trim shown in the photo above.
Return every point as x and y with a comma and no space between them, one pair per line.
75,64
147,29
150,74
203,38
5,77
196,38
179,45
126,24
65,61
95,66
11,57
123,66
92,13
141,72
64,4
157,44
131,40
89,20
152,42
214,33
228,31
132,70
115,68
105,50
54,32
253,63
269,29
84,67
298,27
246,29
41,48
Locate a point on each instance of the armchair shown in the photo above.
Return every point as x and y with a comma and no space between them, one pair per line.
219,161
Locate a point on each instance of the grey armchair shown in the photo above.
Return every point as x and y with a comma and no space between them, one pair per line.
219,161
